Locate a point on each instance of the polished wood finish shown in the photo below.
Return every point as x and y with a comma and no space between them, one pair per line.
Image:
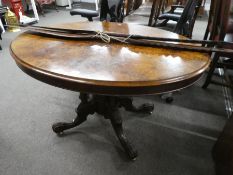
112,69
104,72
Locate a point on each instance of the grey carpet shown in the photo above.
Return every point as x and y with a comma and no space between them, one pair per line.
176,139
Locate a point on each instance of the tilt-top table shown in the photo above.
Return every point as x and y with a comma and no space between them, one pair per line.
107,74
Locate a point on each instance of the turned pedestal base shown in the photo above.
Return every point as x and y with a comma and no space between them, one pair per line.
108,106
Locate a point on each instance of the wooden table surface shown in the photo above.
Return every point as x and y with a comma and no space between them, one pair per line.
110,69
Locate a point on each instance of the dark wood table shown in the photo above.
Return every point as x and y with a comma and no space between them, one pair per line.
106,75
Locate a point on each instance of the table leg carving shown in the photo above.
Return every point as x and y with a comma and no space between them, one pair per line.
84,109
111,111
127,103
116,122
108,106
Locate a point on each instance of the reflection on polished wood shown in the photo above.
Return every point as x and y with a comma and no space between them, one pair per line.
109,71
114,68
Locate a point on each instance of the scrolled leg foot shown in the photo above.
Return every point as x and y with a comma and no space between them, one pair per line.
84,109
60,127
205,85
129,149
116,122
146,108
127,103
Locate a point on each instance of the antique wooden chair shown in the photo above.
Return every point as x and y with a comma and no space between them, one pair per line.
213,14
157,7
185,20
220,28
115,8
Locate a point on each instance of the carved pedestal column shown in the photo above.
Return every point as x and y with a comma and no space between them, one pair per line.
108,106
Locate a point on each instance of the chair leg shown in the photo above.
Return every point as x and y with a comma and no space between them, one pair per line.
211,71
206,34
55,6
205,37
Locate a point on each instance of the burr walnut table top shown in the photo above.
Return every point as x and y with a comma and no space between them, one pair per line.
110,69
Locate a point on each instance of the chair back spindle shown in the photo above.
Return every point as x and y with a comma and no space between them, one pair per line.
188,17
185,20
217,29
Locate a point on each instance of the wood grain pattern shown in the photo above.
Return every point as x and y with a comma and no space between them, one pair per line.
115,68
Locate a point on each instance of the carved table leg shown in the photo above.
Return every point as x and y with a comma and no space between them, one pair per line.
116,122
84,109
127,103
108,106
